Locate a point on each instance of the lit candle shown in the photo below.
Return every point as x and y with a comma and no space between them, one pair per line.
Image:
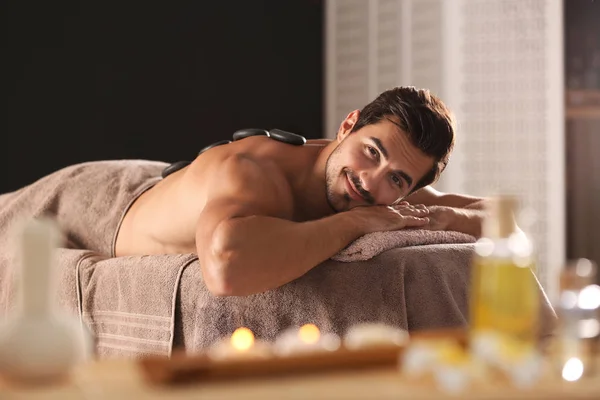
452,379
373,334
305,339
521,363
444,360
241,344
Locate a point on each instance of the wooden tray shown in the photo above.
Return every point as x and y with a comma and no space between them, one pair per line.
181,368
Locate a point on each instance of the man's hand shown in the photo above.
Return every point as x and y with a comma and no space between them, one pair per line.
451,211
389,218
441,218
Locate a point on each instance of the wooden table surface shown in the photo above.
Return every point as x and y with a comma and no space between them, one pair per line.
120,379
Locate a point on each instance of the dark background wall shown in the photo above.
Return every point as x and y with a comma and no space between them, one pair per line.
101,80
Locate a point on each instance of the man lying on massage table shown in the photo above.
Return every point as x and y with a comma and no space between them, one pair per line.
260,213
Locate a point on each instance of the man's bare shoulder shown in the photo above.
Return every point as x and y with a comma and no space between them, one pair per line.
243,173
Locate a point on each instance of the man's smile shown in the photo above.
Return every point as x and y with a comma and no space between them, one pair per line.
353,192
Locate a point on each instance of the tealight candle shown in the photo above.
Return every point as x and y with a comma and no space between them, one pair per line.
445,360
527,371
305,339
373,334
521,363
241,344
452,379
423,356
418,360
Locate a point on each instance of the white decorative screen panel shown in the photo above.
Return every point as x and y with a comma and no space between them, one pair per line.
347,55
388,49
373,45
505,83
496,63
426,45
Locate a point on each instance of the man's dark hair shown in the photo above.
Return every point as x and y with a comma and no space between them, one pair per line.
426,120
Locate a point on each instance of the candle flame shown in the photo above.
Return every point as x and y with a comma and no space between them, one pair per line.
242,339
309,333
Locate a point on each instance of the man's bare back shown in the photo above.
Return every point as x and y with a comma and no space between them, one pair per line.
164,219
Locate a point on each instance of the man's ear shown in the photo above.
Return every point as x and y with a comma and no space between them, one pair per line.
347,125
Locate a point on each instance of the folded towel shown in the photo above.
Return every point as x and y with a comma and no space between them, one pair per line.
372,244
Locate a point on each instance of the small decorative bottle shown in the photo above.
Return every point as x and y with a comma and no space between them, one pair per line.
578,308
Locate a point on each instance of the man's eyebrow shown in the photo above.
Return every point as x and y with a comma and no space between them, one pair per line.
379,145
406,177
385,154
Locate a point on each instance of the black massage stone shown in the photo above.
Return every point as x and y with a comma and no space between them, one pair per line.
287,137
174,168
244,133
210,146
277,134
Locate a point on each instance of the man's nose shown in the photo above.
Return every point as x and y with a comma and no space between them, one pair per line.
371,180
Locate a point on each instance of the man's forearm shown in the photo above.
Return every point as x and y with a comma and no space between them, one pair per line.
259,253
467,221
477,205
470,218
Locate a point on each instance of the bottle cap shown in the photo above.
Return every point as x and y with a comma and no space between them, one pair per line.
500,221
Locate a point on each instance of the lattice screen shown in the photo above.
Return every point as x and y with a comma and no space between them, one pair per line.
347,80
497,63
508,96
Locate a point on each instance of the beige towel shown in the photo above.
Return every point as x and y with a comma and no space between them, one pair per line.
148,304
129,302
372,244
88,202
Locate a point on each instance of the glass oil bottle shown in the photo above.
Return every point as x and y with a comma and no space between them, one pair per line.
504,295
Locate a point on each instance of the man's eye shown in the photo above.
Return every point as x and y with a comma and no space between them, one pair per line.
373,152
397,180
